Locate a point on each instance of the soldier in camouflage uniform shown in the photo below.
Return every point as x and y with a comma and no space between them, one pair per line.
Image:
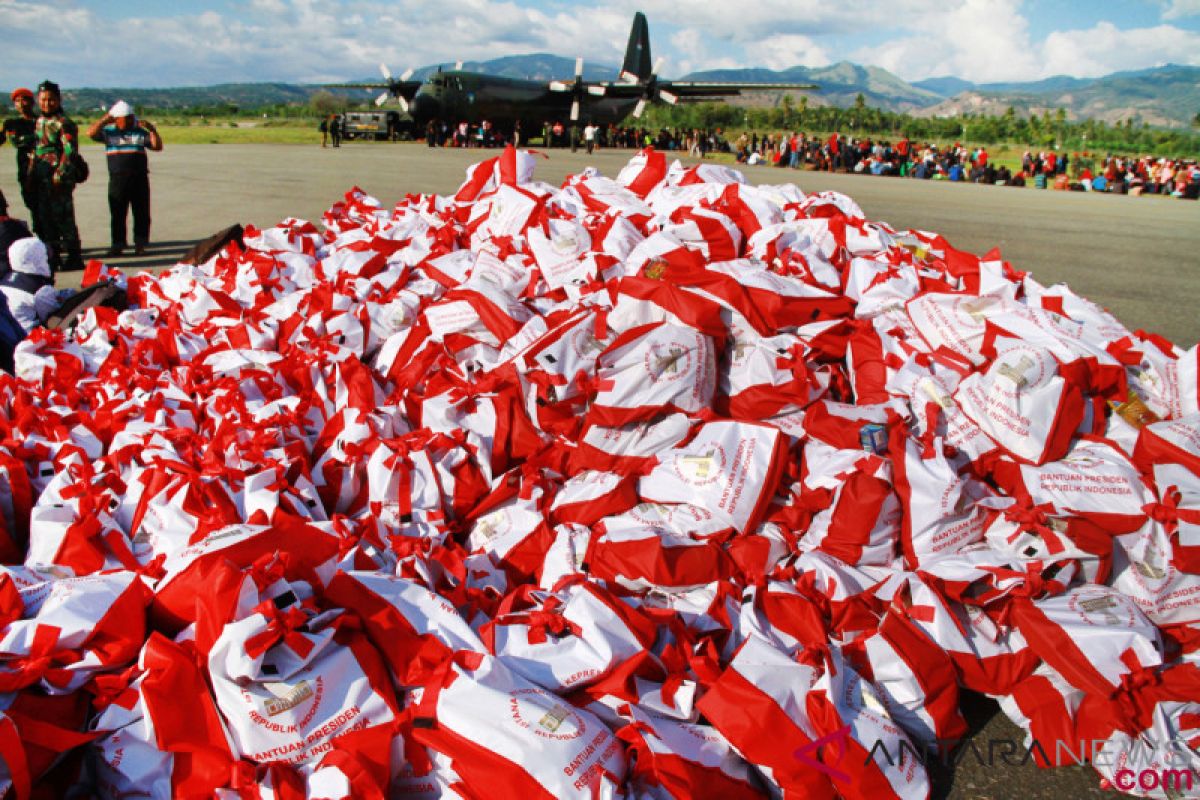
57,141
20,131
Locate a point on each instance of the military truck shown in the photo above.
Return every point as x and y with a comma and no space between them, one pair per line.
376,125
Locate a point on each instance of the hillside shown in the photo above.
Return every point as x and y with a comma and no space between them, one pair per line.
840,84
1166,96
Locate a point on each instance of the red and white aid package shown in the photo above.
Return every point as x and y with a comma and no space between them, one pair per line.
730,469
659,545
189,571
765,689
1142,740
160,735
683,759
861,524
511,739
957,322
941,514
1158,565
1024,404
988,657
287,680
1172,441
915,680
850,713
414,629
60,632
654,369
569,638
1092,635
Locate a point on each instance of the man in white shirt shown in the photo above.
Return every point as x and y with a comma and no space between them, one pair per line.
589,137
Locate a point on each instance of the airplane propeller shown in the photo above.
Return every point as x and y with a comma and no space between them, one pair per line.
652,91
578,89
394,87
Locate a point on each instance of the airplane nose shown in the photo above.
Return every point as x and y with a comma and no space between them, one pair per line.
424,108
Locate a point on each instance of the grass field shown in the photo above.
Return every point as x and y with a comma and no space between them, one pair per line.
230,131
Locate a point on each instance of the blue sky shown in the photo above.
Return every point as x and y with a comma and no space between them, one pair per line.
143,43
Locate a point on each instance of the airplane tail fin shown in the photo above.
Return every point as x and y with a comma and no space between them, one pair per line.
637,52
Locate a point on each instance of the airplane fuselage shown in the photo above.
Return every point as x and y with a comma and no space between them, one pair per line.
457,96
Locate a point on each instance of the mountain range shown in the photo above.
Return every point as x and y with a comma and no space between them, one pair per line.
1167,96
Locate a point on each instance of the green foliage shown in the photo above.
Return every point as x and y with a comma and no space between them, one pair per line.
1037,132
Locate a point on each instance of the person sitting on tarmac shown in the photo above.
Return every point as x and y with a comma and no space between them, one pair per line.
29,288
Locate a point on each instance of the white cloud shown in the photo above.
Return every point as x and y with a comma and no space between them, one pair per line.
1181,9
289,40
1104,48
979,40
337,40
788,50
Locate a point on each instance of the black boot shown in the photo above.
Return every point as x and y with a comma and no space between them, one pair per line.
74,257
54,258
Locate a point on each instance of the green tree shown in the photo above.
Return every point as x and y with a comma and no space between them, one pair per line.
325,103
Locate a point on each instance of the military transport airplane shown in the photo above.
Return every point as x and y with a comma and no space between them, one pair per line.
457,95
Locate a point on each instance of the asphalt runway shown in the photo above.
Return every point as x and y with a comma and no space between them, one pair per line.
1135,256
1139,257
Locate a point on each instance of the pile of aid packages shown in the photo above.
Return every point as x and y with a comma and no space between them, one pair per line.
658,486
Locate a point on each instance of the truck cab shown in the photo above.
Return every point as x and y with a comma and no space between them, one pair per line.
376,125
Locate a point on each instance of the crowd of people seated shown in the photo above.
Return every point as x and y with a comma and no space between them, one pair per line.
871,156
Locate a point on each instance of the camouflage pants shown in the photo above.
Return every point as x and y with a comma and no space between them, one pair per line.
56,216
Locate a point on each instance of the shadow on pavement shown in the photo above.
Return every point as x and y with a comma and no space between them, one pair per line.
158,254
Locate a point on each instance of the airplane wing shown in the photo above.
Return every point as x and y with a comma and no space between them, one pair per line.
407,89
695,90
672,92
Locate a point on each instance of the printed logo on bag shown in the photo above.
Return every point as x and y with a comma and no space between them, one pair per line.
701,470
1148,569
565,244
286,698
668,362
739,351
1082,461
1017,373
528,709
1103,609
973,309
282,698
656,268
934,391
1151,566
492,526
584,341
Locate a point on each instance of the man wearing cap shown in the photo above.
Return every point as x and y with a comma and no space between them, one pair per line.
54,176
20,131
126,139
